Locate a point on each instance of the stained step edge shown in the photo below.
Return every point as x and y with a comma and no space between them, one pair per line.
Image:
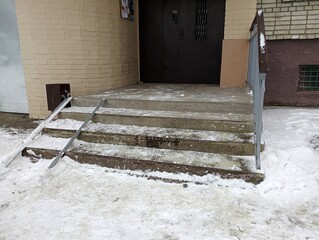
147,165
173,143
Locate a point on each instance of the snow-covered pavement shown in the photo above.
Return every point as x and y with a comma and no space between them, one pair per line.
74,201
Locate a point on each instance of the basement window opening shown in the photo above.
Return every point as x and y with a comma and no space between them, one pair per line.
308,78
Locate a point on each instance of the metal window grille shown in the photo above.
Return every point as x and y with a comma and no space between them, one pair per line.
308,78
201,20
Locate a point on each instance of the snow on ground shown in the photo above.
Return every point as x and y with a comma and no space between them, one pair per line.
74,201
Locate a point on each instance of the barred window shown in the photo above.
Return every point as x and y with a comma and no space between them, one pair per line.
308,78
201,20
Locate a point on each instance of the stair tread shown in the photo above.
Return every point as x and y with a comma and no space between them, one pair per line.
160,132
150,99
200,159
178,92
231,117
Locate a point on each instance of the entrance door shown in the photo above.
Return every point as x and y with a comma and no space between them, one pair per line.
181,40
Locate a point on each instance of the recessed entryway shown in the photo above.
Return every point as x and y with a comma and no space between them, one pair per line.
181,40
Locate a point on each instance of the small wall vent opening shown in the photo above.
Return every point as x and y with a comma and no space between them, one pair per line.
56,93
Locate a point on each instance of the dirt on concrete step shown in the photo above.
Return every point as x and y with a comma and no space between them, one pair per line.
17,120
146,165
243,148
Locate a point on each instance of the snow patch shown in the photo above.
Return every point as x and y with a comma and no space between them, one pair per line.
262,42
79,201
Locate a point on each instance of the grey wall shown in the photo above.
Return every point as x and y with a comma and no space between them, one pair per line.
12,85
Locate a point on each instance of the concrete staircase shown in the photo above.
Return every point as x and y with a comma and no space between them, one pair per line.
195,129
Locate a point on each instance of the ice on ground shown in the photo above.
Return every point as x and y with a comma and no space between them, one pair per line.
74,201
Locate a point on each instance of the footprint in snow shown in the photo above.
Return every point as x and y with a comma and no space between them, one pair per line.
4,205
315,142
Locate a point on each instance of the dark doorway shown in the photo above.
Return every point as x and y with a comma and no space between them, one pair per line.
181,40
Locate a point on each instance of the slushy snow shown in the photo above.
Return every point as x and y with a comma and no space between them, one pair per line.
77,201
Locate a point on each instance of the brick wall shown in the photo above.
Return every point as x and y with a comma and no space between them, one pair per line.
238,19
81,42
291,19
283,77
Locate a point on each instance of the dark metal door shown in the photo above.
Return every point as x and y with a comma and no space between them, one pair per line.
151,40
188,43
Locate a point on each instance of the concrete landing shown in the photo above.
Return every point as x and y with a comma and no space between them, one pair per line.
177,92
173,97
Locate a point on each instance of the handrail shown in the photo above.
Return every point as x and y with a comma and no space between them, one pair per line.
257,70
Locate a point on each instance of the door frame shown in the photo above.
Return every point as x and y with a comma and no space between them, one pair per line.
137,19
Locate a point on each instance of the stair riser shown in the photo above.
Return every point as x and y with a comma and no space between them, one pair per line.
134,164
231,148
214,107
165,122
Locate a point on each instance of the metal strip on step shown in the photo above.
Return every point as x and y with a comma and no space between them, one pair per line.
77,133
8,159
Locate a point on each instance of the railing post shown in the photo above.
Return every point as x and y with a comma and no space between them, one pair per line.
257,69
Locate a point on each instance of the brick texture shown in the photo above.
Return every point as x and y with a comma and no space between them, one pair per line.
81,42
291,19
239,17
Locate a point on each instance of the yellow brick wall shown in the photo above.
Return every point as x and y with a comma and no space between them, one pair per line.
290,19
238,19
81,42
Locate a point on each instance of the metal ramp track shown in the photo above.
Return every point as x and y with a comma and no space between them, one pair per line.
9,158
77,133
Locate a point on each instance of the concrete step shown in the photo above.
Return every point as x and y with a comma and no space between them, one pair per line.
166,138
149,159
174,97
225,122
168,105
